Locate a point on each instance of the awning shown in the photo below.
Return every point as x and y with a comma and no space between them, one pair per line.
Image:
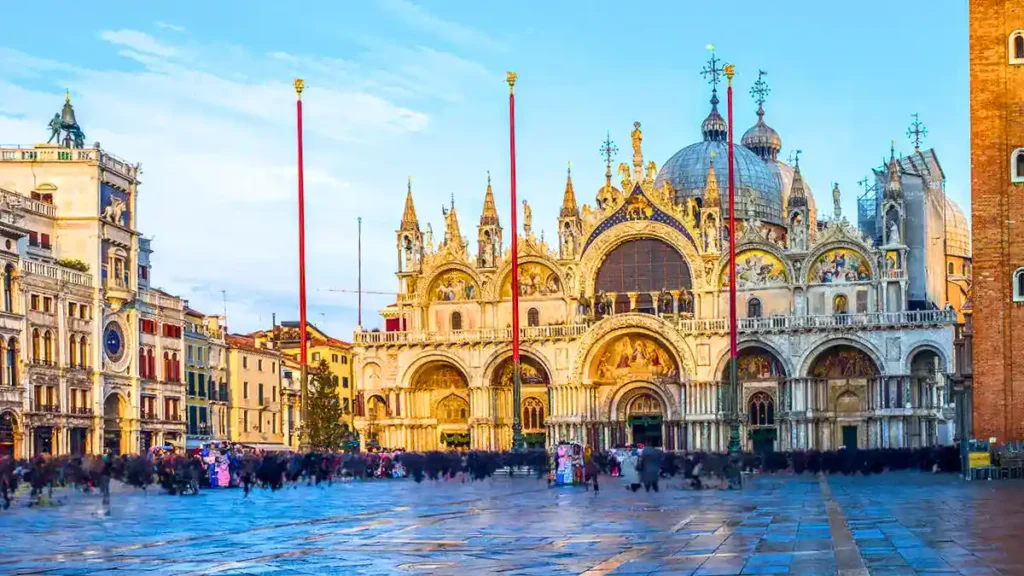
194,443
270,447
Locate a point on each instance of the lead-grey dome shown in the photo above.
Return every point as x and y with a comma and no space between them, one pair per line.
687,172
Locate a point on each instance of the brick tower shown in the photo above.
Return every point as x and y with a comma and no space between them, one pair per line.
997,190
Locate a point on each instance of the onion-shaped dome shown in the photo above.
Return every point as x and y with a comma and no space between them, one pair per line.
958,231
762,139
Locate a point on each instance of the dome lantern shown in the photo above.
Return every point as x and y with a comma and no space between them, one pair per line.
762,138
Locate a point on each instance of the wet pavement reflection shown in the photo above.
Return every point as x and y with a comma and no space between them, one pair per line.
900,523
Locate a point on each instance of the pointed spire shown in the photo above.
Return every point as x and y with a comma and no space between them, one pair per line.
489,217
797,190
452,234
712,198
569,207
893,189
409,221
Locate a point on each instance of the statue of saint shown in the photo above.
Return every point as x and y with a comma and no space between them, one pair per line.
638,137
527,217
894,232
836,206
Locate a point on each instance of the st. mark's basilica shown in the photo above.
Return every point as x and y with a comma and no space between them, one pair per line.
845,331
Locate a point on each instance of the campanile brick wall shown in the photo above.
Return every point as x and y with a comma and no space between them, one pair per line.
997,206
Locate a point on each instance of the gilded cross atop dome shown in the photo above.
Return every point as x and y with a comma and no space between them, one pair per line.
608,150
714,127
759,91
712,70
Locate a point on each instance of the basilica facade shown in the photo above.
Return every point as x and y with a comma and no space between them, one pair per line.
624,323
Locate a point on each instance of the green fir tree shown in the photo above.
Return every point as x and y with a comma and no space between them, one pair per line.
323,427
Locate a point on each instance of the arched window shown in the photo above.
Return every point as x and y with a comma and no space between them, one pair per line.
83,352
151,362
754,308
761,410
533,317
456,321
1017,166
143,367
175,368
963,269
1017,47
72,351
9,288
533,414
840,304
48,346
167,366
1018,285
645,265
949,268
37,346
12,361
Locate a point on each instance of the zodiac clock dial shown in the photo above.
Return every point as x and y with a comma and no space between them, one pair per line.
113,342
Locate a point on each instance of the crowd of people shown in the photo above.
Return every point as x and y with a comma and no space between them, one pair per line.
227,465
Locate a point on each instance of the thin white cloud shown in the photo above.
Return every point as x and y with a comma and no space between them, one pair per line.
172,27
416,17
216,139
139,42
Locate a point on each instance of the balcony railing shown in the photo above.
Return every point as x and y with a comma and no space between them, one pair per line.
80,411
685,325
56,272
148,415
29,204
50,408
49,153
158,300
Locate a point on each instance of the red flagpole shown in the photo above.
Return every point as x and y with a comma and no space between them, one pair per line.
517,432
734,434
299,86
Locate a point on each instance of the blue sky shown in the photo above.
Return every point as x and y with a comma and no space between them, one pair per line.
200,93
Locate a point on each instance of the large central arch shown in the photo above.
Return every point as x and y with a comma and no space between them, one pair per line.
642,265
605,243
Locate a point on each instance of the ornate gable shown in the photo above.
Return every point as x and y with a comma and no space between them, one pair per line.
643,204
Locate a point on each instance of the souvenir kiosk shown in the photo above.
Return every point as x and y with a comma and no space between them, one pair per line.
568,464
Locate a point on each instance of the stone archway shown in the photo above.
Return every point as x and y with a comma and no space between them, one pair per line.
535,386
10,434
431,384
115,432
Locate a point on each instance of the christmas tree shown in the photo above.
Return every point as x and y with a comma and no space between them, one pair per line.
323,428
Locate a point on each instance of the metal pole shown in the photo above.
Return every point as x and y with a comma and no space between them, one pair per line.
359,282
304,386
517,426
734,412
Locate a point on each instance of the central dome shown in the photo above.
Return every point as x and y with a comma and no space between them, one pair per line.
687,172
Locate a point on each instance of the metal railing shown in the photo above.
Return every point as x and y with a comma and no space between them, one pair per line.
684,324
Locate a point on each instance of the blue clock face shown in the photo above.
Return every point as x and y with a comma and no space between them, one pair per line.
113,342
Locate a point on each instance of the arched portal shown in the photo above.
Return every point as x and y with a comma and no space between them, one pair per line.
115,410
644,416
8,427
436,388
925,377
755,364
642,266
534,381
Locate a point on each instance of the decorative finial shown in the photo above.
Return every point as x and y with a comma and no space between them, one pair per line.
300,85
759,91
730,71
892,150
568,170
453,200
794,157
917,132
488,177
67,96
409,185
511,77
638,136
608,150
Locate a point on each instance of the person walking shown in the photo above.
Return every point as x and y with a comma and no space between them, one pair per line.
629,468
650,467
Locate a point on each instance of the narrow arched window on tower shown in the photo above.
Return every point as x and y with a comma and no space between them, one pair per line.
456,321
754,308
1018,285
949,268
1017,166
533,317
1018,46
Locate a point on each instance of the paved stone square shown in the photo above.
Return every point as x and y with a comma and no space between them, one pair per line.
899,523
